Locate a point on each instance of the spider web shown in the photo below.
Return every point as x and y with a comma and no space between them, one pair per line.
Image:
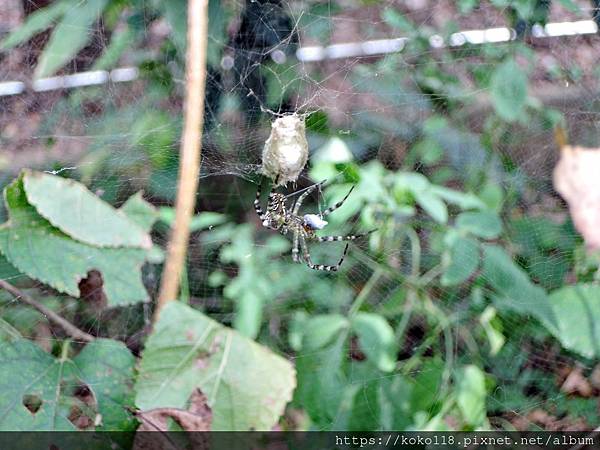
367,106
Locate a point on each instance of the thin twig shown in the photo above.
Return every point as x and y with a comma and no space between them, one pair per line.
365,292
189,163
71,329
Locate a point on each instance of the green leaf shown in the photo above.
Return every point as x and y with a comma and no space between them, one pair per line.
8,272
120,41
398,20
249,305
73,209
464,200
432,204
495,337
247,386
428,150
423,193
253,287
320,331
35,23
509,91
464,261
44,253
296,329
577,310
365,412
155,133
376,339
106,367
321,382
484,224
466,6
8,332
175,11
140,212
425,391
570,5
70,35
471,394
27,372
492,195
514,288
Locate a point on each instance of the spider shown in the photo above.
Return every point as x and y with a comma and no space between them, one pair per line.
279,218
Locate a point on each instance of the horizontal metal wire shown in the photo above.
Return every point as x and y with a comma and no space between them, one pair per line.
317,53
474,37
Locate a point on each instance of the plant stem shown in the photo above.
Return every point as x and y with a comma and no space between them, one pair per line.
189,163
365,291
406,315
415,251
415,359
69,328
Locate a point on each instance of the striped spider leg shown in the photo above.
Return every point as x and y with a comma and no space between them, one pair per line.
279,218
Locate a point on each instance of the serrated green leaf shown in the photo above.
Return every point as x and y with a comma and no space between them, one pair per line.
577,310
44,253
78,213
26,370
8,272
508,90
464,261
247,386
471,394
484,224
70,35
376,339
35,23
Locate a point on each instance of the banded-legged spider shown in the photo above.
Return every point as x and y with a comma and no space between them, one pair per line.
279,218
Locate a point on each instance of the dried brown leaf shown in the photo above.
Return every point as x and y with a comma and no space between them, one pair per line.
196,418
577,180
576,383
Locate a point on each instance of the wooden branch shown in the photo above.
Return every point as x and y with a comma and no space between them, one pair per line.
69,328
189,162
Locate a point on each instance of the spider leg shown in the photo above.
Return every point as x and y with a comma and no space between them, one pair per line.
350,237
306,193
337,205
257,206
310,264
295,249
